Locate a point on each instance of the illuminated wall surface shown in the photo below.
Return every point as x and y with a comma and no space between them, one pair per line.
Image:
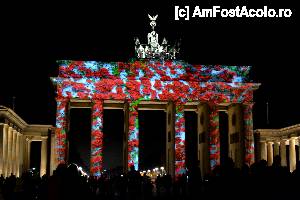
135,81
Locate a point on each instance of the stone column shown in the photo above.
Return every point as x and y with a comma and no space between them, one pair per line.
264,152
61,130
270,153
283,153
180,158
133,136
125,137
9,151
28,144
25,154
203,139
276,148
2,136
97,138
14,146
170,139
43,167
5,148
21,154
53,155
235,131
299,148
17,158
292,154
214,136
249,156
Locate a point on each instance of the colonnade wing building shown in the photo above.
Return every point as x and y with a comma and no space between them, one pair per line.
15,143
284,142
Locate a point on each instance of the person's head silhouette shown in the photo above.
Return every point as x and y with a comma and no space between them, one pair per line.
132,168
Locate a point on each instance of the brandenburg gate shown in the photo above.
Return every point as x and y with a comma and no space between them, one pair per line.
157,80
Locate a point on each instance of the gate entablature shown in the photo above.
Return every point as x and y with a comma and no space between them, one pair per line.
93,80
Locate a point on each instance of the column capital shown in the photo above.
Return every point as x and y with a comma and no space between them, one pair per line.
62,99
248,104
213,106
29,138
4,125
53,131
234,104
293,138
202,104
44,137
94,100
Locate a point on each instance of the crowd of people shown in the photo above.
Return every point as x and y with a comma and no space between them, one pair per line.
225,181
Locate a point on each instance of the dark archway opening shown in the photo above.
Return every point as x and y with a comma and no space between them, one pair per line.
35,155
224,143
191,139
79,137
152,144
113,129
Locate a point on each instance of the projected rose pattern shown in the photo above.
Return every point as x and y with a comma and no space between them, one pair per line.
133,136
97,137
249,140
179,140
60,131
153,80
214,138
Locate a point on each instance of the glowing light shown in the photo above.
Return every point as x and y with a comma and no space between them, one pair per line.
83,173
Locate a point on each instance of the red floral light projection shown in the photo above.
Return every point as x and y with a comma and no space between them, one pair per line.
97,138
167,70
133,137
214,137
60,132
249,138
179,141
152,80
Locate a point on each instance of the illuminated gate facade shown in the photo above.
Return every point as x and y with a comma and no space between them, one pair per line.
172,85
156,80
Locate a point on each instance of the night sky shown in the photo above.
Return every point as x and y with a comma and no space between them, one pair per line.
34,36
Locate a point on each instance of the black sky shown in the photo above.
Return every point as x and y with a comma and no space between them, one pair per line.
34,36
